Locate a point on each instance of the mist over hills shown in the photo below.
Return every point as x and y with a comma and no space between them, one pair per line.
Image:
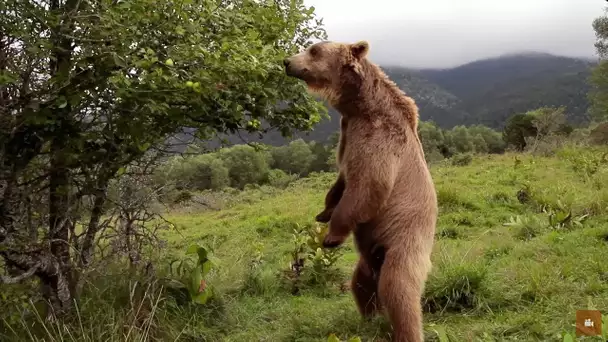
485,91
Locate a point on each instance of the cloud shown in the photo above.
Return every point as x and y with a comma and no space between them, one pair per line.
444,33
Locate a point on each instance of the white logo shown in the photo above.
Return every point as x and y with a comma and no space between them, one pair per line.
588,322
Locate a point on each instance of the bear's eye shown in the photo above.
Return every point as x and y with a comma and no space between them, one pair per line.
314,51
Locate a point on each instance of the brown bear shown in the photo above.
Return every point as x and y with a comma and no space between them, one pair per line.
384,193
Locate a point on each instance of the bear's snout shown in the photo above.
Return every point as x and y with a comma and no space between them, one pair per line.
289,70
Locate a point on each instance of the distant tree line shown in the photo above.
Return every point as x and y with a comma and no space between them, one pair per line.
240,165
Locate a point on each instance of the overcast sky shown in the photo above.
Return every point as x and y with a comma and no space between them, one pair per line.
444,33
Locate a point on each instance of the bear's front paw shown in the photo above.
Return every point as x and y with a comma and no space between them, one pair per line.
332,241
324,216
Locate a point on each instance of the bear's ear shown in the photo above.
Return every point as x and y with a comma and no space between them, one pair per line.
359,49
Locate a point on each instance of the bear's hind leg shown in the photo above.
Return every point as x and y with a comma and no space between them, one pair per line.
364,286
400,289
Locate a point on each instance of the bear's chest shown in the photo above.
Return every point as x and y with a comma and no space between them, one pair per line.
358,134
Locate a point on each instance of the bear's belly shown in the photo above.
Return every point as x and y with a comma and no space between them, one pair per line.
399,226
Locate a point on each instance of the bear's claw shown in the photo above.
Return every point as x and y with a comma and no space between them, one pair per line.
332,241
323,217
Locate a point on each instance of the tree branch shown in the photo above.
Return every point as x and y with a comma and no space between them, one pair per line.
21,277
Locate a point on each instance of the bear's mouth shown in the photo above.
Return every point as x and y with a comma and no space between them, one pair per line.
297,73
306,76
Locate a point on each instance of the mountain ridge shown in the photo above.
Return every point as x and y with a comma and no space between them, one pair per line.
484,91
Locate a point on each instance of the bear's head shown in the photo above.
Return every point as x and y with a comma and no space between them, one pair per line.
328,67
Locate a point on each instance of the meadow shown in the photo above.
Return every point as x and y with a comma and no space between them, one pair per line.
521,245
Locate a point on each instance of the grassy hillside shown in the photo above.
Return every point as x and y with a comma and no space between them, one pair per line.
521,245
491,281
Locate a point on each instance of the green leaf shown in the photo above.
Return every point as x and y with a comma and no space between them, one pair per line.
192,249
202,254
333,338
568,338
354,339
144,147
176,284
211,258
119,60
169,62
202,297
441,334
195,281
206,267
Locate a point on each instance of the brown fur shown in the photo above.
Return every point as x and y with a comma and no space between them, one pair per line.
384,193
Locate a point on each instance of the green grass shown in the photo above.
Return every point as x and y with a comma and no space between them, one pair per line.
490,281
501,272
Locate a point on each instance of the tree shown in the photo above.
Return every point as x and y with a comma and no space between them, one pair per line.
517,128
295,158
88,87
492,138
548,120
598,94
320,152
461,139
432,140
210,173
199,172
246,165
479,143
430,135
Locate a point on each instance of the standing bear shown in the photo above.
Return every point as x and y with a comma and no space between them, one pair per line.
384,193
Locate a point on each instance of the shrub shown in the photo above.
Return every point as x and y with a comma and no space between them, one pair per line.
294,158
188,281
279,179
182,196
308,250
246,165
525,228
323,259
462,159
334,338
199,172
586,162
209,172
599,135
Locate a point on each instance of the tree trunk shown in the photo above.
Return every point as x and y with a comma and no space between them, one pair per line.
58,289
88,244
